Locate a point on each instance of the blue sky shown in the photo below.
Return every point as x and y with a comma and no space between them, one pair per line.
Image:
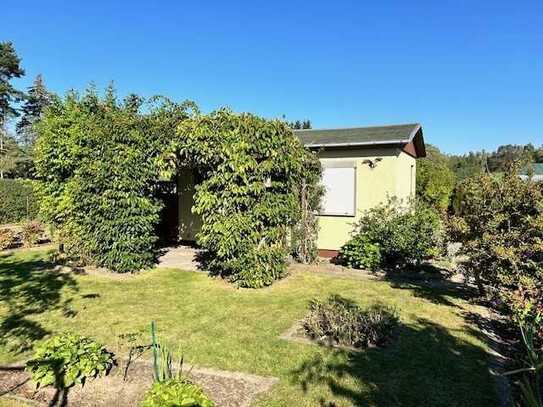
470,71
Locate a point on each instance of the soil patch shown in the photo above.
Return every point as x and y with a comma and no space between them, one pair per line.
229,389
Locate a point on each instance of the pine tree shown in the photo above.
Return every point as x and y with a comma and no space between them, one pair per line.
9,69
37,99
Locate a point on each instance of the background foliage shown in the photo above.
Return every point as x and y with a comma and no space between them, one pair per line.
98,162
435,179
248,199
17,201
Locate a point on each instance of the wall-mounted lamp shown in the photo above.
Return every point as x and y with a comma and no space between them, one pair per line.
372,163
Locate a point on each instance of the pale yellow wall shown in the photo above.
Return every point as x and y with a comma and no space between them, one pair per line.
392,176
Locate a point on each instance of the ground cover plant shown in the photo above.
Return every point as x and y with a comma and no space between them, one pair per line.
392,235
249,197
341,321
439,355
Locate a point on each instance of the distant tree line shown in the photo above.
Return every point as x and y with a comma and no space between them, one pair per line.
25,108
299,124
496,161
439,173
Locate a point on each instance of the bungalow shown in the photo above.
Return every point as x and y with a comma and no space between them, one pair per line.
362,167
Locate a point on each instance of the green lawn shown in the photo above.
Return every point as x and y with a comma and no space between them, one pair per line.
439,359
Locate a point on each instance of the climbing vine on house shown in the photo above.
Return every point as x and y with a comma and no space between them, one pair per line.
98,162
254,173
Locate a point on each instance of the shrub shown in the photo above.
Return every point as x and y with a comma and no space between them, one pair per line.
98,162
342,322
67,359
403,233
17,201
526,305
176,392
360,253
499,221
31,233
249,197
7,238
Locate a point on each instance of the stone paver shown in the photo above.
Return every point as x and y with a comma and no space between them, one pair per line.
181,257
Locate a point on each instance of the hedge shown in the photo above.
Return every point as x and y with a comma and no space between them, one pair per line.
98,162
17,201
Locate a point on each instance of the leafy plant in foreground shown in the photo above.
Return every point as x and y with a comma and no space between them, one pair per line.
176,393
163,359
67,359
171,388
530,385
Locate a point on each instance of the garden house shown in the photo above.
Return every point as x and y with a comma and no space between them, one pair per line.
362,167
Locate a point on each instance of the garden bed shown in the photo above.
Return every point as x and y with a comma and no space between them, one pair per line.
229,389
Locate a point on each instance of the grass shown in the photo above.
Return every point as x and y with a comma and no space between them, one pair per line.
439,358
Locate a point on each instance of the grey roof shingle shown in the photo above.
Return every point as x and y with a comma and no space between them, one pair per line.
359,136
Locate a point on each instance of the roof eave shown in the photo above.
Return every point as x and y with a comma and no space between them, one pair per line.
359,144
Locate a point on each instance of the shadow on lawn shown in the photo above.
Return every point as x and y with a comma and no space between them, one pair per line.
28,288
430,282
426,366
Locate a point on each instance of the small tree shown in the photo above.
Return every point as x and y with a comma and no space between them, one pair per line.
250,194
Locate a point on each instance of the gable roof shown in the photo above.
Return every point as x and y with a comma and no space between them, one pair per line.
399,135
